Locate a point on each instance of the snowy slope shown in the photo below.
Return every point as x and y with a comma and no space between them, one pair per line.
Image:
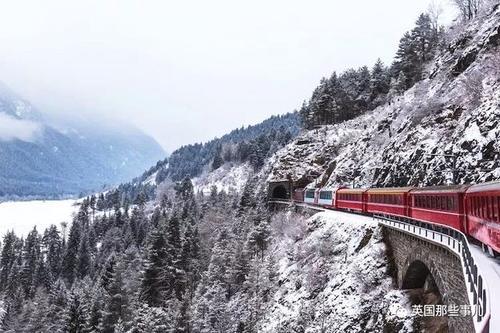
335,279
455,110
22,216
230,177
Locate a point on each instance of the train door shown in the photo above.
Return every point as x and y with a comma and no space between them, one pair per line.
465,209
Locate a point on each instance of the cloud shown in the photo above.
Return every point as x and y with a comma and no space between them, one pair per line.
12,128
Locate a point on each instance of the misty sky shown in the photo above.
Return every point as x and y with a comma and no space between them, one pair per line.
187,71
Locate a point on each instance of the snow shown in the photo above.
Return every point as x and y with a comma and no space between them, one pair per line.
489,268
22,216
334,277
229,177
151,180
391,145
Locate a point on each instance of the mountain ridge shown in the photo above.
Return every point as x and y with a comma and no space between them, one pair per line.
42,160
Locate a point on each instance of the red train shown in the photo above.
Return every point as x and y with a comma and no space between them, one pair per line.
472,209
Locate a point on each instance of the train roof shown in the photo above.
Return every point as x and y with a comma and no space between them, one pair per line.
390,190
485,187
330,188
352,190
441,189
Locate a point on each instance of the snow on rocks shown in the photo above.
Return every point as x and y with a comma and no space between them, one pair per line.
334,279
229,178
404,142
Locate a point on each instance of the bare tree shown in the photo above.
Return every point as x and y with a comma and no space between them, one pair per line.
468,8
435,10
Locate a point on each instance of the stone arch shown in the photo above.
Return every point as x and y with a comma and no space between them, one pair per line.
420,271
418,276
429,267
280,192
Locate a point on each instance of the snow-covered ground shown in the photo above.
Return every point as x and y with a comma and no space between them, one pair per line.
229,178
490,270
333,279
22,216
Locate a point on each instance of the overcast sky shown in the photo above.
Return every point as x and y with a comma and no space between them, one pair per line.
187,71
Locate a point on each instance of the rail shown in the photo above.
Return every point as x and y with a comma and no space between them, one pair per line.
456,242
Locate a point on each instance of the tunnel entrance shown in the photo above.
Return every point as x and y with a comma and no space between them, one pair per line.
280,192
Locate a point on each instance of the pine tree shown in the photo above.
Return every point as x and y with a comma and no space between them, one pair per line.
76,314
8,258
380,83
176,276
70,259
154,285
31,256
84,260
218,160
53,247
58,300
116,303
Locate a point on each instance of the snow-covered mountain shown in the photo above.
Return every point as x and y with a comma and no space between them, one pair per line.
40,158
332,277
445,126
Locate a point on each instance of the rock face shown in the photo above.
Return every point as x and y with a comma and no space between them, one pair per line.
442,130
333,278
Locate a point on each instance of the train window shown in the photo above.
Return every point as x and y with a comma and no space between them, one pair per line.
483,207
490,207
496,208
310,194
325,195
438,202
478,206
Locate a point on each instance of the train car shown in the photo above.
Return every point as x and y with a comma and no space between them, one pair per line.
310,196
327,196
482,206
352,199
393,201
440,205
298,195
